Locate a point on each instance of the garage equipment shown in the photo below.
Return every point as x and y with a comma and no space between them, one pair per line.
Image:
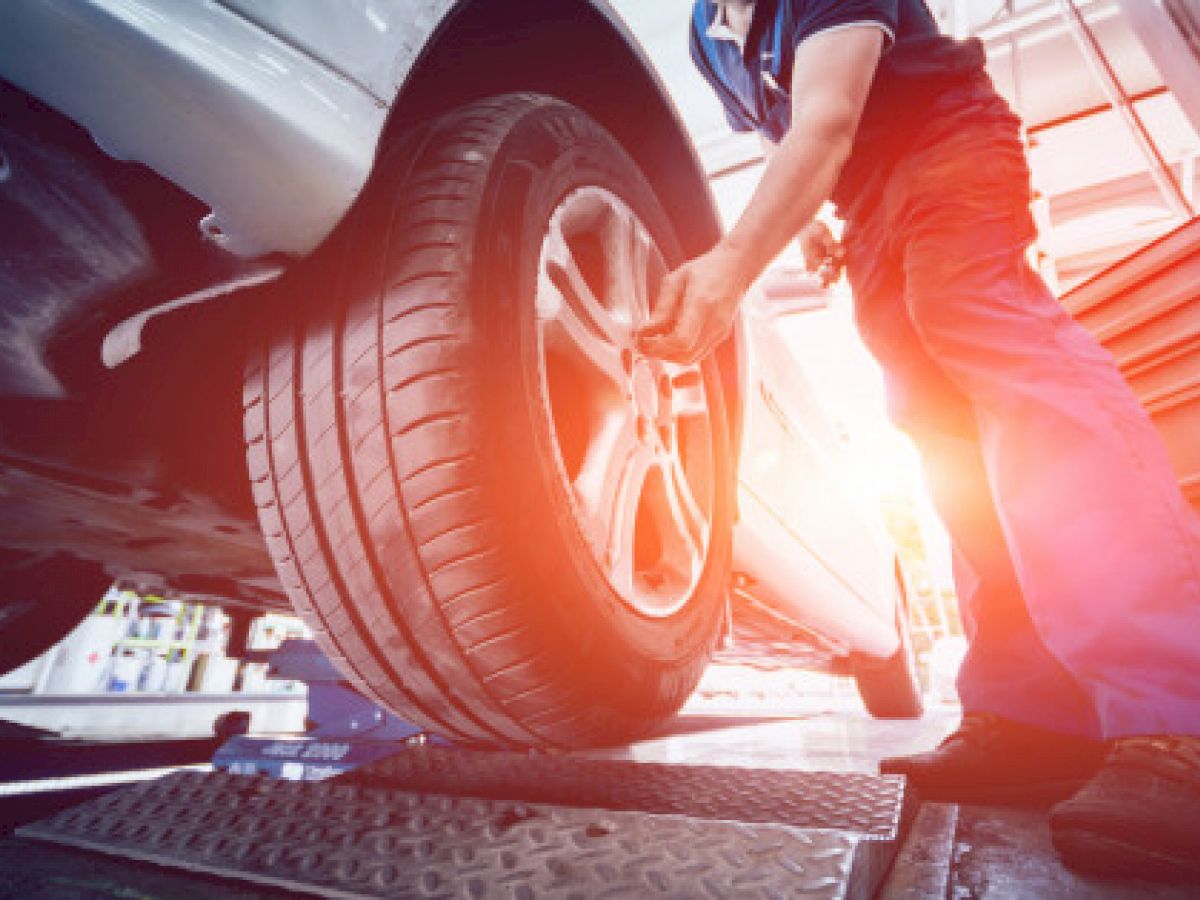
344,729
439,822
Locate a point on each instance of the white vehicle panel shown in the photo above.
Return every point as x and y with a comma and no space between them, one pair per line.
788,578
209,100
818,553
371,42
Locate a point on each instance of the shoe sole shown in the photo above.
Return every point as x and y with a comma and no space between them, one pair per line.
1090,853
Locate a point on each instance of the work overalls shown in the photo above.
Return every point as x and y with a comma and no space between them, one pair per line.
1076,558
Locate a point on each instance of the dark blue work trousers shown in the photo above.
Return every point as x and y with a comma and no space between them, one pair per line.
1076,558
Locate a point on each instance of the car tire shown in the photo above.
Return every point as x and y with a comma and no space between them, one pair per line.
44,597
891,688
431,441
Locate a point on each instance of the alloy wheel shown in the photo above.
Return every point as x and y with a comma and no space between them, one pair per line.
633,435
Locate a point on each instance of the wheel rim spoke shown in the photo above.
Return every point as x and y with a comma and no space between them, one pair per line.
638,266
568,301
621,422
609,454
689,521
688,399
623,525
610,486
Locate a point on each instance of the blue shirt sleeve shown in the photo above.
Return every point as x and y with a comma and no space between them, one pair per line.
810,17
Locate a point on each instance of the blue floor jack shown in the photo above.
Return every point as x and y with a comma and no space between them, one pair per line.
344,730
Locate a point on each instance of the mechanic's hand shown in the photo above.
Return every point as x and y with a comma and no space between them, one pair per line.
822,252
695,309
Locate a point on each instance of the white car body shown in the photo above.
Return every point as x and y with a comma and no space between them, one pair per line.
271,112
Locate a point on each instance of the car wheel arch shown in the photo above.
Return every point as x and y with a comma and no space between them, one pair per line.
578,51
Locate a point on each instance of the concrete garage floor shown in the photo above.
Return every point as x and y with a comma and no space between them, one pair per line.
818,736
982,853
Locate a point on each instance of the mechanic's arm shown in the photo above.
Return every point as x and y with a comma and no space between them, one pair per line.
822,251
830,81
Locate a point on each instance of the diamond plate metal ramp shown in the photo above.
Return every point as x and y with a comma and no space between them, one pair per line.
870,805
347,840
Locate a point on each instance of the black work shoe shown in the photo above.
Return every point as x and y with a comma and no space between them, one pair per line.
994,760
1139,817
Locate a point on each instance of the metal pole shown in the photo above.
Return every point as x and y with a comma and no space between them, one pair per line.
1014,64
1160,170
1168,30
962,19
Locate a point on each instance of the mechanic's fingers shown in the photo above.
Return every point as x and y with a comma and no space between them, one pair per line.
812,256
666,309
675,344
684,343
826,256
817,245
837,263
701,326
829,272
810,248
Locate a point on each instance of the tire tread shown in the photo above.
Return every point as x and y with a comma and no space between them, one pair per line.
364,457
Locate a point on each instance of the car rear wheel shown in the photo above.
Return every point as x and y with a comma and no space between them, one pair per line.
501,522
891,688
